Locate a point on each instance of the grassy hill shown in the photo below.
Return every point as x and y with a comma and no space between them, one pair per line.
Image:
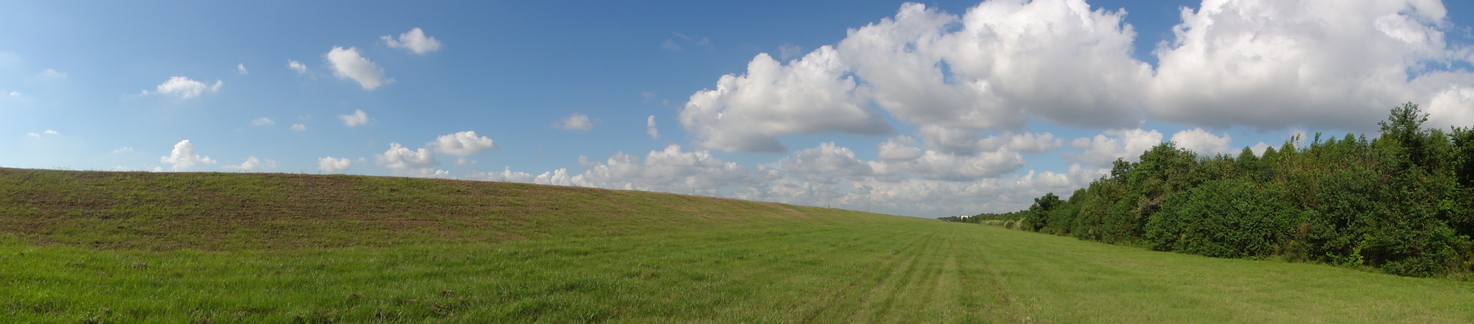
234,211
100,247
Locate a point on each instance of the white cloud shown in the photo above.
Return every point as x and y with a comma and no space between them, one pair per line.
650,127
299,127
1203,143
401,158
673,45
15,93
942,166
1055,59
1317,63
424,173
253,164
51,132
357,118
330,164
505,176
747,113
241,68
124,149
185,88
669,170
1127,144
263,121
898,149
414,41
297,66
1453,106
827,175
47,132
462,144
464,161
50,74
831,164
826,163
670,45
576,121
347,64
1260,148
966,141
183,156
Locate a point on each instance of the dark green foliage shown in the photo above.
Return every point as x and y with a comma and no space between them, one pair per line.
1225,218
1403,203
1348,205
1037,213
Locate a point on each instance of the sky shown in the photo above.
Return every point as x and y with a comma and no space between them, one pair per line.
920,109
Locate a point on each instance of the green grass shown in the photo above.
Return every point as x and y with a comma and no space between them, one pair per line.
553,254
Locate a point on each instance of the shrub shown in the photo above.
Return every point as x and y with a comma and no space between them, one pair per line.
1224,218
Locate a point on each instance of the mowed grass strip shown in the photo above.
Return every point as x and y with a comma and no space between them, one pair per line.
676,259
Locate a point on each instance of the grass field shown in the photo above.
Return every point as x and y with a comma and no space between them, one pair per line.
93,247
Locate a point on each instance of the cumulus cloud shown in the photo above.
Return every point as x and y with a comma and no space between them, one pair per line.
185,88
650,127
827,175
1055,59
747,113
330,164
45,133
402,158
1105,148
414,40
297,66
253,164
826,163
829,163
505,176
357,118
576,121
1454,106
348,64
934,197
1203,142
462,144
299,127
967,141
669,170
263,121
183,156
241,68
1320,63
900,148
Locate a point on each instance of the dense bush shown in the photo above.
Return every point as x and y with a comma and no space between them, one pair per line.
1224,218
1402,203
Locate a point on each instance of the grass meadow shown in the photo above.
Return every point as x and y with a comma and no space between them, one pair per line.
100,247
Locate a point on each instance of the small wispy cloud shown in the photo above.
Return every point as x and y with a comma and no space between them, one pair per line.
414,41
357,118
576,121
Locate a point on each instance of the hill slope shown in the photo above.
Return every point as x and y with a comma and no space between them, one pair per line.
220,211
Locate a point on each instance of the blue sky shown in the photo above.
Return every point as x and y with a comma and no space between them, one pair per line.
932,109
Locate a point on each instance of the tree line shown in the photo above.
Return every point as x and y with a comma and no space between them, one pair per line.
1402,203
